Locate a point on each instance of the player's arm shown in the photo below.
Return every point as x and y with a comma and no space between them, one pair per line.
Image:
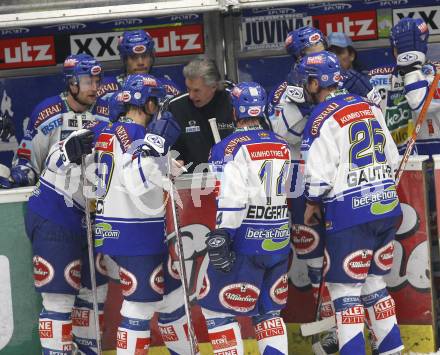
233,194
70,151
417,83
320,159
145,163
288,122
28,161
409,40
231,206
320,156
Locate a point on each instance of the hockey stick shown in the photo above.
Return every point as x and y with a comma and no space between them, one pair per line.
91,259
214,130
182,267
419,122
318,326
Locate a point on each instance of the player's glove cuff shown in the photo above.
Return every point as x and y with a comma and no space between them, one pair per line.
154,145
374,96
295,94
5,177
221,257
410,61
79,143
22,176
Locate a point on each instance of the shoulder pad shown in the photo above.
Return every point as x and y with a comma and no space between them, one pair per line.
101,109
320,114
381,70
275,95
127,133
231,144
216,154
96,126
109,84
46,109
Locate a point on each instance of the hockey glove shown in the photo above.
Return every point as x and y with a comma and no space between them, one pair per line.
22,176
79,143
162,134
356,83
7,129
295,94
5,177
221,257
410,61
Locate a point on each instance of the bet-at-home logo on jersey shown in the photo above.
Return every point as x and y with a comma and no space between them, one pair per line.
104,231
272,239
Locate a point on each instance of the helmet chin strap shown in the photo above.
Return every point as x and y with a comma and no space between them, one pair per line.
75,96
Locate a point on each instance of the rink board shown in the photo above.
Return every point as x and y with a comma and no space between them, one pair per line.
409,281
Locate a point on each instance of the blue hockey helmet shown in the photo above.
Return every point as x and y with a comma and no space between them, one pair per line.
248,100
135,42
410,34
322,66
139,88
76,65
116,106
300,39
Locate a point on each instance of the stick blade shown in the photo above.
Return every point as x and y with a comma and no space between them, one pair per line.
317,327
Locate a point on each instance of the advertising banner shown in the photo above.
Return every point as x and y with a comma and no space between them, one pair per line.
409,283
267,28
42,46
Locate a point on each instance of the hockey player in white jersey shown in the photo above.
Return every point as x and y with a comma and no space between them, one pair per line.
55,225
403,87
409,41
288,112
286,107
249,249
56,117
130,224
350,161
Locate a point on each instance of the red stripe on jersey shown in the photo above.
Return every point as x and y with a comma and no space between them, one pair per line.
263,151
352,113
24,153
105,142
437,93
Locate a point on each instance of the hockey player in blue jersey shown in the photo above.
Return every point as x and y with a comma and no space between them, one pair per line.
56,117
130,225
55,225
350,161
136,49
249,249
